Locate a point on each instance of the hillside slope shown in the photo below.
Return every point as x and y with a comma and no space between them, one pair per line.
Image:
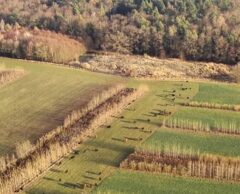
205,30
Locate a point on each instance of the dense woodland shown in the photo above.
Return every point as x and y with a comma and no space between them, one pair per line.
206,30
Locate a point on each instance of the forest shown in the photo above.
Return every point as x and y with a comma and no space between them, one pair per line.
206,30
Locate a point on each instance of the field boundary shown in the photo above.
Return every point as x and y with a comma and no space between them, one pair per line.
78,67
213,106
199,126
186,131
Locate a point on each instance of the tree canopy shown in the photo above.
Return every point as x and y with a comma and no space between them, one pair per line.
206,30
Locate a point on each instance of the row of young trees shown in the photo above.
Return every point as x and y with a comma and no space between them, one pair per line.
192,29
36,44
230,107
181,161
232,128
32,160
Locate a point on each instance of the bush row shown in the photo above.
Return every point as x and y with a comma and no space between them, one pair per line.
179,161
212,105
219,127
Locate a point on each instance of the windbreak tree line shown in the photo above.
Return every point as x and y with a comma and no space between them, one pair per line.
206,30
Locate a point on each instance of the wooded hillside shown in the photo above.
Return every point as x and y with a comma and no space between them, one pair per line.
206,30
38,45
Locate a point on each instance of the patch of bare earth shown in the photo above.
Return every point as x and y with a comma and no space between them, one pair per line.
154,68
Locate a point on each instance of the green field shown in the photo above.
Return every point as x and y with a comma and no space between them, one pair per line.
112,150
218,93
141,183
210,116
40,100
205,143
213,93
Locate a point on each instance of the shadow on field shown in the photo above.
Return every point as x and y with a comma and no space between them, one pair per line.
123,152
41,191
148,115
55,170
126,121
113,162
118,139
132,127
110,146
49,179
71,185
89,177
149,122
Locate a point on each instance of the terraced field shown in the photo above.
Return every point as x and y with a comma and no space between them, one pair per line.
39,101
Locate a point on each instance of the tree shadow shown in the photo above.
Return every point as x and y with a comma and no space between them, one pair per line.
117,139
71,185
55,170
94,173
110,162
125,121
89,177
128,127
107,145
49,179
